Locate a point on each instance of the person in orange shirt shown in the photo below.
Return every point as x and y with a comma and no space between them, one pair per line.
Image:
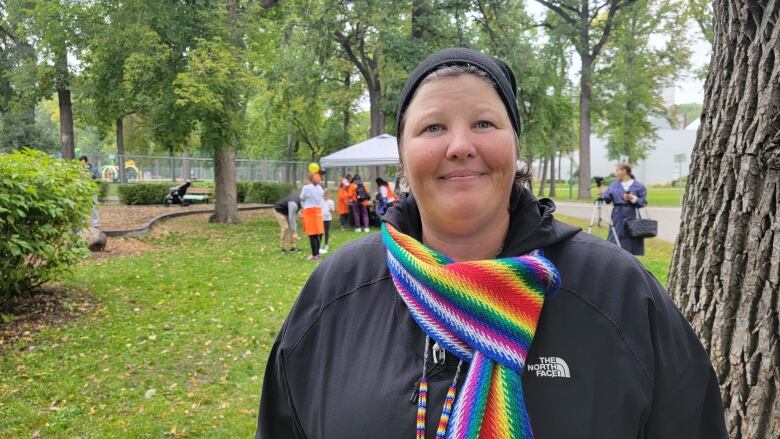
343,202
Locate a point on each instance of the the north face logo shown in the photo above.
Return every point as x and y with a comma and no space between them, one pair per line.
550,367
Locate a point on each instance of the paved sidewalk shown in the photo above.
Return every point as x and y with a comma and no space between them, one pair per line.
668,217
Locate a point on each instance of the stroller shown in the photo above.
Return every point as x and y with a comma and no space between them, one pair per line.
176,195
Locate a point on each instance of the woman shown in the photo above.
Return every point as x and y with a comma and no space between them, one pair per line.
438,313
385,198
313,226
344,200
627,195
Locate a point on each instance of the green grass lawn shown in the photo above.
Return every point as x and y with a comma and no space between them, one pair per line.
656,196
178,344
658,254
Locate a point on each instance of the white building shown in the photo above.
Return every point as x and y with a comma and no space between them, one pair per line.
668,161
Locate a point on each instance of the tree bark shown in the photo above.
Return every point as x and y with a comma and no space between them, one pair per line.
67,141
226,204
725,271
120,150
586,85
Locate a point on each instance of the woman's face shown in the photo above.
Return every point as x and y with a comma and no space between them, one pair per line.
620,174
458,151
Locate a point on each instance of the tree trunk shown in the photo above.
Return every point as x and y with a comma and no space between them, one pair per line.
67,144
186,166
288,168
225,206
347,114
544,177
725,271
375,100
120,150
585,100
171,163
418,11
552,175
27,53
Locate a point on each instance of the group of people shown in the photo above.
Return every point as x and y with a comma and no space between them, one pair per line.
354,200
316,208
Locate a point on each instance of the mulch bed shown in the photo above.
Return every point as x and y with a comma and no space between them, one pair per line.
115,217
51,305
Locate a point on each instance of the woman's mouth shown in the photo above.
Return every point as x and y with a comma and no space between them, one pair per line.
464,175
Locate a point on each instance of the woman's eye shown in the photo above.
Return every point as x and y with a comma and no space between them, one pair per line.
484,124
435,128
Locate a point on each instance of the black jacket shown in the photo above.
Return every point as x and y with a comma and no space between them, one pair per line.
612,357
282,206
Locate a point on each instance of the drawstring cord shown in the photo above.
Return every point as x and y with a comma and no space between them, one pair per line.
421,388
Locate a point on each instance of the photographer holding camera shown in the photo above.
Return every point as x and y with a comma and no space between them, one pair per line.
627,195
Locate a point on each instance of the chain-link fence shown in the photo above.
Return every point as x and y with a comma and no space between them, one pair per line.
177,168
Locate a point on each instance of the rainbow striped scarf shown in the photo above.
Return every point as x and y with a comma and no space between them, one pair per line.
484,312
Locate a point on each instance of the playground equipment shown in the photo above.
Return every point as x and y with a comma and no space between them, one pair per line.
111,172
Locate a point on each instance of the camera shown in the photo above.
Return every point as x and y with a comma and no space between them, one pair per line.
599,181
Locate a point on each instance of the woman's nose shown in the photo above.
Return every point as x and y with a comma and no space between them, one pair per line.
461,144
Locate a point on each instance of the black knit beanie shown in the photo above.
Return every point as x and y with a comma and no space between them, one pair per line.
496,69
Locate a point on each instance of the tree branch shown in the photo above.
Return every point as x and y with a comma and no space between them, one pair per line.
8,34
558,10
346,45
486,24
608,25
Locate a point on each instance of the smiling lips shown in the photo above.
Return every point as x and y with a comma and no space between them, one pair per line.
462,175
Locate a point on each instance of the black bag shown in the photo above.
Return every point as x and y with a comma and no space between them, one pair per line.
641,227
361,193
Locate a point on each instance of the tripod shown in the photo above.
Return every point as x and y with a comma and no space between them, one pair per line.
596,219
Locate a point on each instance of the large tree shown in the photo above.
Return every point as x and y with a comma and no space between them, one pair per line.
587,24
632,74
725,272
54,27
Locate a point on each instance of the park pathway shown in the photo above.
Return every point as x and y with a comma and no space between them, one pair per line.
668,217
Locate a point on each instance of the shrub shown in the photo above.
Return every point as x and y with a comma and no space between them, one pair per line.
266,192
143,193
241,189
44,203
104,187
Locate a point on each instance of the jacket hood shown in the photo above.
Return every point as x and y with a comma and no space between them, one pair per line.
531,223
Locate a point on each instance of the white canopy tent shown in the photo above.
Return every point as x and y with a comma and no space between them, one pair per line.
378,151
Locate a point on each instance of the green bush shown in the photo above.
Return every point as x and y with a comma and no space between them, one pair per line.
44,203
104,187
265,192
241,189
143,193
